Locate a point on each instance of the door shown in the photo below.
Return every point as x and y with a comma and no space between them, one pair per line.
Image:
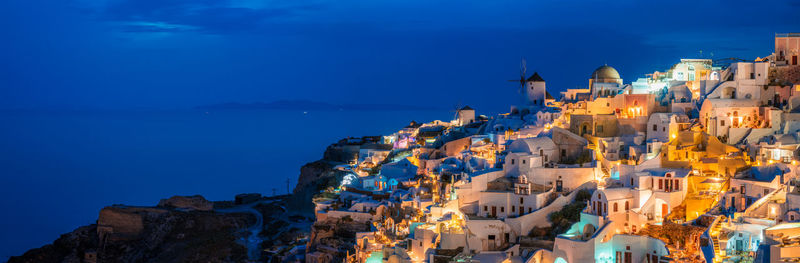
628,257
794,60
664,210
559,186
494,211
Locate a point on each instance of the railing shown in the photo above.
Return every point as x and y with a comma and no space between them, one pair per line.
761,201
714,231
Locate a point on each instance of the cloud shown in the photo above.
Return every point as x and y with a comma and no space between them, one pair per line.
204,16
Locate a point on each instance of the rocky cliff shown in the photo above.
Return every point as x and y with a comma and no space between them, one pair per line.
149,234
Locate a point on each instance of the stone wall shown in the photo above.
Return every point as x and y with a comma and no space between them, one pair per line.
195,202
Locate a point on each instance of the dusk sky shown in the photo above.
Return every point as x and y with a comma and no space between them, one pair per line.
109,54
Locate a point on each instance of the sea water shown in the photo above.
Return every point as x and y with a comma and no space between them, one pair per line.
59,168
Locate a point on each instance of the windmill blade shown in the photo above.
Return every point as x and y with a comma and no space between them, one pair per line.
456,110
523,73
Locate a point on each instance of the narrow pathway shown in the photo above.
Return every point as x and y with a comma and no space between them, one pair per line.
253,241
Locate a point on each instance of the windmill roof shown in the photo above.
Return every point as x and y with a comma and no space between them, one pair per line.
466,108
535,77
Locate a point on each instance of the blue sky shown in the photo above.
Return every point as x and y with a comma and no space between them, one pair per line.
103,54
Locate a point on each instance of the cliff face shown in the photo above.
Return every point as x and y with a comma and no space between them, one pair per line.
335,237
149,234
319,175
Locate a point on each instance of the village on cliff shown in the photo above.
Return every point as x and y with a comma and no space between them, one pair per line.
696,163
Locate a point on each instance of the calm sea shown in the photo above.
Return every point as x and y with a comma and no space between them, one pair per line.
58,169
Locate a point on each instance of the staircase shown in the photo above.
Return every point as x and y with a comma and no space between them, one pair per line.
750,210
714,232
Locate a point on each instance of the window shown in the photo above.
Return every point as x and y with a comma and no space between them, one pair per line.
655,127
677,184
627,206
766,191
752,75
529,209
563,153
521,200
512,161
660,184
742,188
722,123
523,161
605,207
491,237
663,129
485,208
631,182
616,208
599,128
513,209
502,209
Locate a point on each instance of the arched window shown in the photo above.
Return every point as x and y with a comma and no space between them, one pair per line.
616,207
